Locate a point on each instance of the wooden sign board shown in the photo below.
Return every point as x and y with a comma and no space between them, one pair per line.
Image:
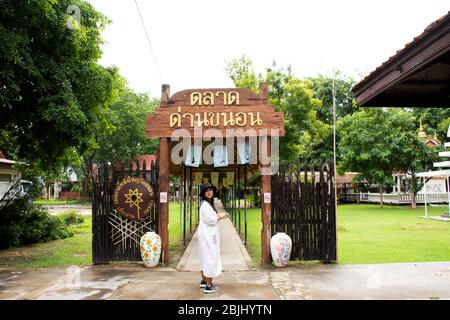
133,198
240,110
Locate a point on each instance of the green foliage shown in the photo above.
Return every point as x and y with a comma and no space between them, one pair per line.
72,218
52,85
119,130
241,72
376,142
24,223
435,121
254,198
291,95
365,145
321,146
345,100
124,137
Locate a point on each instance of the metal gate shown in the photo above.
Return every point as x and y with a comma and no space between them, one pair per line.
114,237
303,206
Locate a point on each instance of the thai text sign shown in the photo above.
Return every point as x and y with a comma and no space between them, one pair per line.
221,109
133,198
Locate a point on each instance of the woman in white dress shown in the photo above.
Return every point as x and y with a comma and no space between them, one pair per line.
209,239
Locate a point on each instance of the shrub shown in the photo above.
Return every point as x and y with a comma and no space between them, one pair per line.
57,229
22,222
72,218
255,198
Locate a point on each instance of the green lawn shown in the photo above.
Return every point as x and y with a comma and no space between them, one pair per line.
58,201
254,227
369,234
77,250
366,234
176,245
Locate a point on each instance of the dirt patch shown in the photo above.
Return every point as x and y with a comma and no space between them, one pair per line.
23,254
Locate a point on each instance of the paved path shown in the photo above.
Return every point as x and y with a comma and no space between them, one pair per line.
60,208
234,255
298,282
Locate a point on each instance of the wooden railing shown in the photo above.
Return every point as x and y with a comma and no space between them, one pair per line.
402,198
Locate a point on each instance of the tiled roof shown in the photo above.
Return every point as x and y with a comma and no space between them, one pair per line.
3,160
427,30
149,158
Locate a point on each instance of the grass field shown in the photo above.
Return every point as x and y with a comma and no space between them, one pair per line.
77,250
58,202
366,234
176,245
254,227
369,234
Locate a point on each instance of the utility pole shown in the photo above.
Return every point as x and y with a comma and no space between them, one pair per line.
334,160
334,141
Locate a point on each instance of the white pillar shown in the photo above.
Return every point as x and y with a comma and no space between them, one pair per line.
448,192
425,195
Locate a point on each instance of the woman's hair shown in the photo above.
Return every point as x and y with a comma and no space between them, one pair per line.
210,202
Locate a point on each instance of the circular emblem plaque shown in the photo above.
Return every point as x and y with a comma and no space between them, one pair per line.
133,198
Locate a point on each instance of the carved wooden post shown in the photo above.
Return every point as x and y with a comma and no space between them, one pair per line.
266,231
164,183
266,207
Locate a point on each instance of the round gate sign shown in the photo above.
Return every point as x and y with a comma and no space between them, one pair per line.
133,198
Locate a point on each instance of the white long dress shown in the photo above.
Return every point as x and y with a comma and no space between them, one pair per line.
209,241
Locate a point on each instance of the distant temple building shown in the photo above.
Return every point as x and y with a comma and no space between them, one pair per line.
429,140
434,185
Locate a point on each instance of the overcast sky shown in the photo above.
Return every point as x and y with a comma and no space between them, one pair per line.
193,39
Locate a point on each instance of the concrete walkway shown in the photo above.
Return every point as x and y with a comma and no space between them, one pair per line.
234,255
56,209
429,280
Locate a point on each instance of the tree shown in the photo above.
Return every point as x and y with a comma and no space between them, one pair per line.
435,120
365,146
345,100
376,142
119,130
409,154
51,86
291,95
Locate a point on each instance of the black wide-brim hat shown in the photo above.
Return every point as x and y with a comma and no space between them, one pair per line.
205,186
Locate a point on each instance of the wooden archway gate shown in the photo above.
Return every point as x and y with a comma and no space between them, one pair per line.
221,109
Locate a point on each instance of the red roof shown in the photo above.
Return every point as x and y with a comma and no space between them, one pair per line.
4,160
148,158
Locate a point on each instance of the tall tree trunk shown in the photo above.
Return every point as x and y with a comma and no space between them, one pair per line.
413,193
87,176
381,196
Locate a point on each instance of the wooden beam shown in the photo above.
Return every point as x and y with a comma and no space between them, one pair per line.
266,232
428,48
163,185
